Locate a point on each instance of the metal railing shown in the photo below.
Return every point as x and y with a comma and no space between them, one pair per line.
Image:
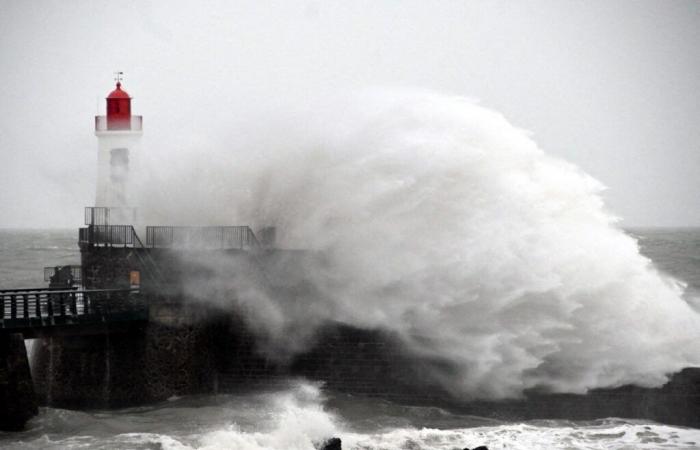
180,237
74,271
224,237
96,215
136,124
28,304
103,215
108,235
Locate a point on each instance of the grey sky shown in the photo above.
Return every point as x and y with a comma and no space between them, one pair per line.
609,85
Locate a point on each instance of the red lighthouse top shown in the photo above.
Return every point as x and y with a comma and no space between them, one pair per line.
118,109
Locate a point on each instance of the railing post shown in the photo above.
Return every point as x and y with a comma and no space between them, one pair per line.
73,304
37,304
13,307
61,304
49,305
25,305
2,307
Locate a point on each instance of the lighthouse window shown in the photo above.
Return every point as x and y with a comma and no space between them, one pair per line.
119,162
119,157
113,107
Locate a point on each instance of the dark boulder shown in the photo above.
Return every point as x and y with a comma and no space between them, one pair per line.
331,444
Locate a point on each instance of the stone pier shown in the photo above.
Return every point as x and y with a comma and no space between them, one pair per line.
170,355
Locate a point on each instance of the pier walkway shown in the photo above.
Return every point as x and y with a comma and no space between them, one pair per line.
46,312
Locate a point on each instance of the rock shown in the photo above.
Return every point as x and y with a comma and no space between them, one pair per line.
331,444
481,447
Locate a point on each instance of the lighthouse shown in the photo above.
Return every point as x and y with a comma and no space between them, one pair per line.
118,135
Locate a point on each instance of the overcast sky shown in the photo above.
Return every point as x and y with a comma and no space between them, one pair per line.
613,86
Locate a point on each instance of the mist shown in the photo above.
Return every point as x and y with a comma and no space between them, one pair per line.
435,219
610,86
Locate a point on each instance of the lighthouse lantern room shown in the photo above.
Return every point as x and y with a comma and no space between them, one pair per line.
118,134
118,109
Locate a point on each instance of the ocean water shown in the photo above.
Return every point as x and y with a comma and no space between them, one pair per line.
25,253
303,413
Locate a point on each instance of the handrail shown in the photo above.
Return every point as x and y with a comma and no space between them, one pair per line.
193,237
43,288
69,291
109,235
166,236
109,215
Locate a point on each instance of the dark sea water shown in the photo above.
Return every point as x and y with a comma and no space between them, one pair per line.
675,251
302,413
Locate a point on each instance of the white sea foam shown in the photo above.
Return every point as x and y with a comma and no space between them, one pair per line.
297,418
440,221
620,436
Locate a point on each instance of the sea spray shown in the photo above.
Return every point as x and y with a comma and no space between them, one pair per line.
434,218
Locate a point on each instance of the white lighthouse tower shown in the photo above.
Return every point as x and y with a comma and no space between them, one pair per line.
118,134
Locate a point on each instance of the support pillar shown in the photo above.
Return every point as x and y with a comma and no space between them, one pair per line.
17,400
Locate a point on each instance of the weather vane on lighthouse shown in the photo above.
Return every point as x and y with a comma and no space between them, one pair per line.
118,76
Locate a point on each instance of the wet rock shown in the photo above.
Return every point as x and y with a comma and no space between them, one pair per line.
481,447
331,444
